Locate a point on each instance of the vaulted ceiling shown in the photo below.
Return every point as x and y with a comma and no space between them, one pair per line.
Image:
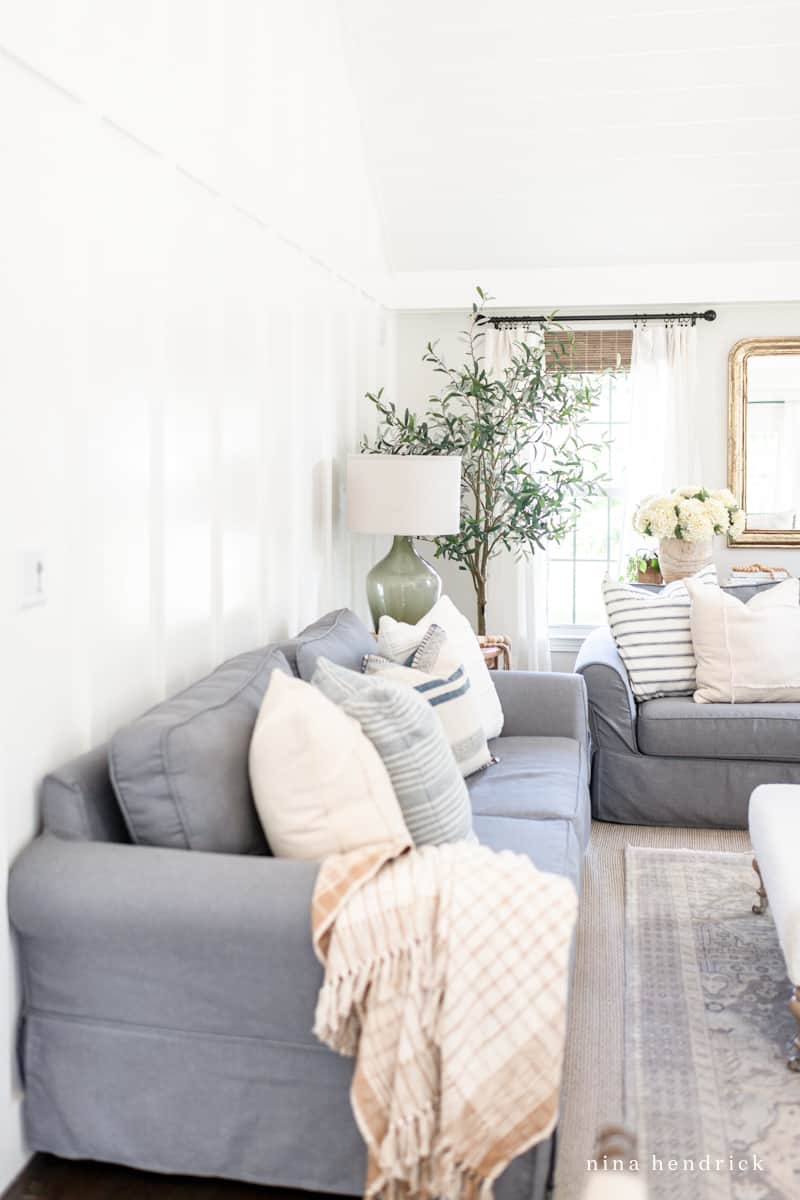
520,134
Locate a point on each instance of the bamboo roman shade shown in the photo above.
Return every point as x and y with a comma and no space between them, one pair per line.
589,351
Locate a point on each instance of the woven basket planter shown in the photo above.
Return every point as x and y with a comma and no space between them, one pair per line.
679,559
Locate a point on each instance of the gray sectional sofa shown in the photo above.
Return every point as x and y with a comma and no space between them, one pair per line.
169,993
671,761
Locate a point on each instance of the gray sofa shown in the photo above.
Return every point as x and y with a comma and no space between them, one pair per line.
674,762
169,994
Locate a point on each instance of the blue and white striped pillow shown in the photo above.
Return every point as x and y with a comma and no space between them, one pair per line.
653,635
434,671
406,733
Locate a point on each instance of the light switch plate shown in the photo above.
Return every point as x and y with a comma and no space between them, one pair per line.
33,578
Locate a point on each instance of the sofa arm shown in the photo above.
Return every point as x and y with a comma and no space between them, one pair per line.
543,704
612,706
179,939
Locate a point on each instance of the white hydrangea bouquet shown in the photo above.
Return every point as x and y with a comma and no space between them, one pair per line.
685,522
691,514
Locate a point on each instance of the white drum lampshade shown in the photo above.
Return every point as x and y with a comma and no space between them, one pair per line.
405,495
408,494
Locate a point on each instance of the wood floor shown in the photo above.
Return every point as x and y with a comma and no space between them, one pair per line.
48,1178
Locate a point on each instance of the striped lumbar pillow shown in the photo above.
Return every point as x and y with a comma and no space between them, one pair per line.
434,671
653,635
405,731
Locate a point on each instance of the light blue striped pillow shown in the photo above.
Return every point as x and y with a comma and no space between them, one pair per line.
407,734
435,672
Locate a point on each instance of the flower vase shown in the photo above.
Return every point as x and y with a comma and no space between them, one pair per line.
679,558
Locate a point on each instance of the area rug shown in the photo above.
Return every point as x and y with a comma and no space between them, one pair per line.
707,1032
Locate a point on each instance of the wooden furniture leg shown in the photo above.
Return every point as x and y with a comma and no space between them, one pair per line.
794,1007
760,908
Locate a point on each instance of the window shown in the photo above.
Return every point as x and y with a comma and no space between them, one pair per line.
578,565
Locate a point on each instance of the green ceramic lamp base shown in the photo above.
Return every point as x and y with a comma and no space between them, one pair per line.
402,585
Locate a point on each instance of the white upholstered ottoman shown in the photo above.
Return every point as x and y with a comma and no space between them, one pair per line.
775,834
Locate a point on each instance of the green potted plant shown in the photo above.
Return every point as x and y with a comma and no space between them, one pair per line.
527,469
642,567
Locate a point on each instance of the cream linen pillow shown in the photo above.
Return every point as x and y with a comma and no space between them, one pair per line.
319,784
746,653
435,672
398,642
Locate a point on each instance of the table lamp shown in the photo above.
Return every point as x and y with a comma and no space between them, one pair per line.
407,496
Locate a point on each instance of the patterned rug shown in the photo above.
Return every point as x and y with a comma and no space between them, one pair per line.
707,1032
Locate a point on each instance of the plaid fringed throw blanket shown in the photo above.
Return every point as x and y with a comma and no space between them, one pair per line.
446,976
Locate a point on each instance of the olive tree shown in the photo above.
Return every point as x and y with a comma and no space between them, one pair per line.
528,469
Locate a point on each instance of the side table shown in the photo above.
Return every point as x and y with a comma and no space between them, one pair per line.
496,650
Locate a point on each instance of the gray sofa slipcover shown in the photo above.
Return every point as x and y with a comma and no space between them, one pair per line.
169,994
673,762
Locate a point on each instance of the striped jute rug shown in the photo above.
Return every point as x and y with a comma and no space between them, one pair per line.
592,1093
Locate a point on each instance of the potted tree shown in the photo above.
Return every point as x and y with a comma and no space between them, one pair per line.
527,469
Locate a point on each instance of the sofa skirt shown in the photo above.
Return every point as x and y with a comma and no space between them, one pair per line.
642,789
184,1103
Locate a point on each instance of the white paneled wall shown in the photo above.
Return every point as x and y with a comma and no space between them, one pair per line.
188,253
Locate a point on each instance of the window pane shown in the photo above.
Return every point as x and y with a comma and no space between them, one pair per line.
589,608
596,455
617,512
559,593
602,389
578,565
592,534
565,549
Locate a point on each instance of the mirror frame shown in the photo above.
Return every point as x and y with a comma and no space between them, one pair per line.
737,433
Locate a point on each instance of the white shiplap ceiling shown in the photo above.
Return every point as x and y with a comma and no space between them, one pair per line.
521,135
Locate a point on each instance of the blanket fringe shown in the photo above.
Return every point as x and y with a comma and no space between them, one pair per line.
437,1177
337,1020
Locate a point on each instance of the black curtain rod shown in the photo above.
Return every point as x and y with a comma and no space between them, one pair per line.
694,317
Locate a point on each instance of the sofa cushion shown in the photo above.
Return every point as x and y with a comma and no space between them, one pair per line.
341,637
180,771
534,778
550,845
679,728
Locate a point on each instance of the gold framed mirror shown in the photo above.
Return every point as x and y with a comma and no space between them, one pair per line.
764,439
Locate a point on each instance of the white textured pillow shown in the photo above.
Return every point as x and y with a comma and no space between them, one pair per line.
435,672
653,636
746,653
398,641
318,782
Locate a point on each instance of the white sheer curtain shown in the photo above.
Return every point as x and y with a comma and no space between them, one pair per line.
517,603
663,452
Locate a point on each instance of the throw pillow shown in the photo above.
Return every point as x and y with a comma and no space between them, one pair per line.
340,636
653,635
750,652
397,641
180,771
407,734
318,783
438,676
